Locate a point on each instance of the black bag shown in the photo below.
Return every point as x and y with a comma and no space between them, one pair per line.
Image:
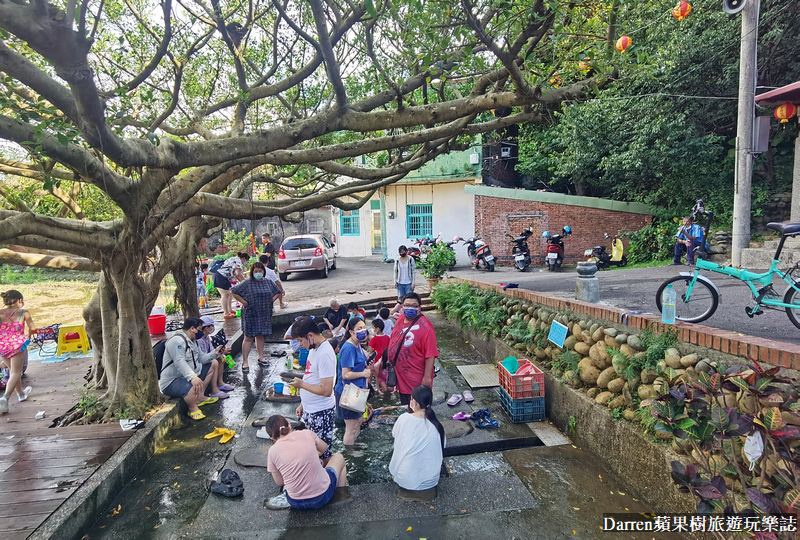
216,265
391,374
219,338
160,348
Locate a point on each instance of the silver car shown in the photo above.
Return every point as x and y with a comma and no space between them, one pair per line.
306,253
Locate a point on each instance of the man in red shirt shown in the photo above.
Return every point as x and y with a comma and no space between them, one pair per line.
417,348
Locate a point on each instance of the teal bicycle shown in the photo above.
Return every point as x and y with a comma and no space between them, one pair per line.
698,297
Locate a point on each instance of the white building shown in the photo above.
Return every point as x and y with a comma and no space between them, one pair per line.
429,201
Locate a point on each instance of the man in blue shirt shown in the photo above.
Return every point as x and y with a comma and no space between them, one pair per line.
689,239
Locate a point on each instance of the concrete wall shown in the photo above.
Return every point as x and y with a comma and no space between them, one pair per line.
453,212
318,220
500,211
355,246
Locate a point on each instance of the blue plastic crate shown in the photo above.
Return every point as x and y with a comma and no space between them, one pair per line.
522,410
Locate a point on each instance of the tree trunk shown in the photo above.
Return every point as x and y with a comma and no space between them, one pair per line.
184,265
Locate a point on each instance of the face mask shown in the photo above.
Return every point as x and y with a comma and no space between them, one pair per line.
257,275
361,334
402,253
410,313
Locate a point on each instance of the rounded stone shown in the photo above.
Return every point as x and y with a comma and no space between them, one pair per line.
629,415
582,348
689,360
454,429
603,397
611,332
606,377
621,338
616,385
634,342
588,372
439,397
617,402
592,392
703,366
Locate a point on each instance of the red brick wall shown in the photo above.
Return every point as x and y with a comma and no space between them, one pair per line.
495,216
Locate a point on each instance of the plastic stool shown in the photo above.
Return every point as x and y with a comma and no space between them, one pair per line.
72,338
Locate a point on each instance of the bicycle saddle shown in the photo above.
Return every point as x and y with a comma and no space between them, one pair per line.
786,229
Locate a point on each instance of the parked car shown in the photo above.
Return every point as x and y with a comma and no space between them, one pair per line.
306,253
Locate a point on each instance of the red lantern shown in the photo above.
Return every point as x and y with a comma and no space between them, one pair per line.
785,112
682,10
623,43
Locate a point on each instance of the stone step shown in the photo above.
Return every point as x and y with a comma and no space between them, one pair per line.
761,258
792,243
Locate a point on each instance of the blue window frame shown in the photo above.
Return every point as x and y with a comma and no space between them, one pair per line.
350,225
419,220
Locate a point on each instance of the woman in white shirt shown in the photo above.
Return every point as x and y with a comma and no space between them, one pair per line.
418,443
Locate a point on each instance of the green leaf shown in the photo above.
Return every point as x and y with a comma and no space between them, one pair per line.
370,7
741,383
763,383
719,418
773,419
686,423
663,428
792,499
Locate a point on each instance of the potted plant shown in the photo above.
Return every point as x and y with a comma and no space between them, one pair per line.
437,261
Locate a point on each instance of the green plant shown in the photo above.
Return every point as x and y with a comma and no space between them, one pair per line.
122,415
437,261
567,361
171,308
697,415
473,308
89,402
653,242
236,241
572,426
212,292
616,414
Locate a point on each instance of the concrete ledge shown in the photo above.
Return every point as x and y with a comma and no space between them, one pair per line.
643,466
746,348
92,498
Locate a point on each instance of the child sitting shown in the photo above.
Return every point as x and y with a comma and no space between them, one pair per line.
388,323
377,345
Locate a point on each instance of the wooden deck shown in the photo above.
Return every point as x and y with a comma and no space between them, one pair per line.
41,466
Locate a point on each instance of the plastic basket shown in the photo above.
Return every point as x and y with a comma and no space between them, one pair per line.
526,386
523,410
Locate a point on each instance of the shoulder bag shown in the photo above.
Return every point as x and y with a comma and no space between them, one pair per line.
391,374
354,398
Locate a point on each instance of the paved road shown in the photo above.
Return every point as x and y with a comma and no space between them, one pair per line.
625,288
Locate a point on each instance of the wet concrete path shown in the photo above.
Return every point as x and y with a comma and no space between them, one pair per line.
537,492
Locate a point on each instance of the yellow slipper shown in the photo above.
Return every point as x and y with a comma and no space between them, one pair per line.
196,415
216,433
208,401
227,436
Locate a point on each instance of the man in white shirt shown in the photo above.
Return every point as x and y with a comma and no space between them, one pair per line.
269,273
317,403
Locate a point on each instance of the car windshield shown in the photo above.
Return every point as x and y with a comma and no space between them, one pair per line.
300,243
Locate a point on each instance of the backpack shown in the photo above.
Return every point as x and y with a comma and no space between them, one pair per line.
160,348
216,265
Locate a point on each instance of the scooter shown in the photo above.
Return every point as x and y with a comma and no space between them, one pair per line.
420,245
520,251
449,246
602,259
480,256
554,255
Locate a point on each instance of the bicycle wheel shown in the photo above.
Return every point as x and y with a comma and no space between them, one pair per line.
696,308
793,297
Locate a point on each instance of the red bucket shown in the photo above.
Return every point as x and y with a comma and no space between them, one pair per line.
157,324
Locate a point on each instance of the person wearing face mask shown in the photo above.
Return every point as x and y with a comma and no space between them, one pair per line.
413,343
353,369
256,296
317,406
186,372
405,269
419,441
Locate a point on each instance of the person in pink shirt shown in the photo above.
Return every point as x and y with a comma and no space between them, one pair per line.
294,461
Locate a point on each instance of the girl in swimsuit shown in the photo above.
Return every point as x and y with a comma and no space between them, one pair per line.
13,344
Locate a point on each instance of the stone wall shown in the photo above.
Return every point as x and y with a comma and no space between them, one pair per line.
777,208
497,216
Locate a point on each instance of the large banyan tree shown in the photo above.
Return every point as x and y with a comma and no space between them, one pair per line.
171,110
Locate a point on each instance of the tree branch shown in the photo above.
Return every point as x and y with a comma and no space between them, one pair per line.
39,260
331,63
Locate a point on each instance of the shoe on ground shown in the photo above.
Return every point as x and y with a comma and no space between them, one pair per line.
25,393
3,405
262,433
278,502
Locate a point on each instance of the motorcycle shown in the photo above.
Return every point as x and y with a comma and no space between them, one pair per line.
554,255
480,256
449,246
520,251
419,246
601,257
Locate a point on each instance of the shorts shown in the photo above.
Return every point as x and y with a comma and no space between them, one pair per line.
320,500
201,290
345,414
180,386
403,289
322,423
220,281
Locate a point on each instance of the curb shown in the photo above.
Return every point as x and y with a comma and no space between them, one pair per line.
92,498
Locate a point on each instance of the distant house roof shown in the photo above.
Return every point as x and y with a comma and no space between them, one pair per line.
559,198
789,93
455,166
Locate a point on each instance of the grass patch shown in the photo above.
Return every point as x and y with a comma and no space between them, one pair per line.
646,264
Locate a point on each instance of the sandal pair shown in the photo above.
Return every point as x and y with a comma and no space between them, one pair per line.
461,415
224,434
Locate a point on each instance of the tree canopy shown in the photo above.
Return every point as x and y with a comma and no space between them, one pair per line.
167,112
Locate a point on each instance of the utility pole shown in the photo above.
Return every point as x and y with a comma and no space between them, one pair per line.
742,193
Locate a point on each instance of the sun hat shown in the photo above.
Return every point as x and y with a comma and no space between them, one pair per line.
207,320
